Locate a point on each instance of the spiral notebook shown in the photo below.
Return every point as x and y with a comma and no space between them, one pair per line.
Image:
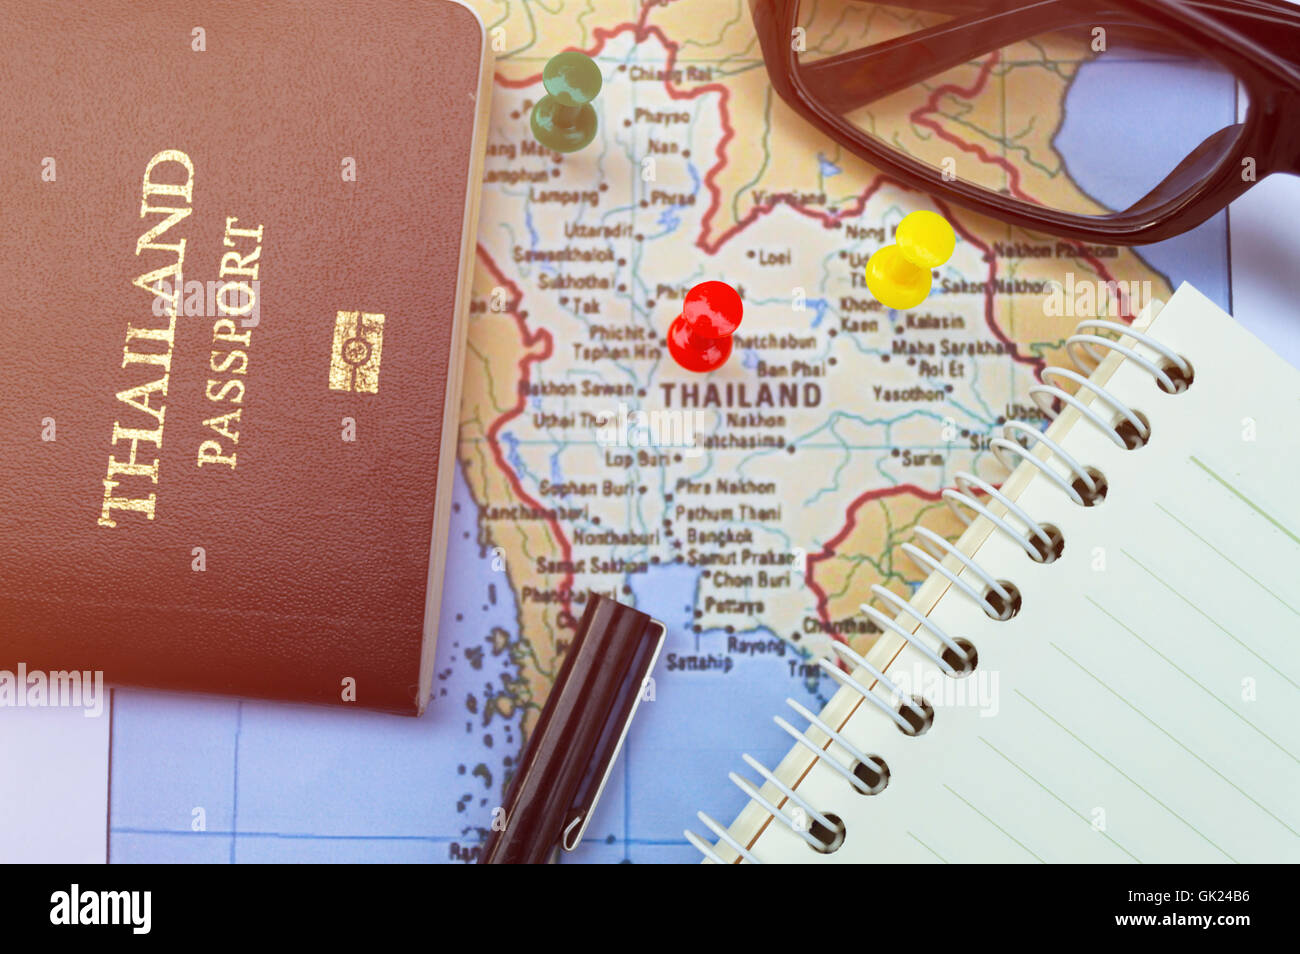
1105,667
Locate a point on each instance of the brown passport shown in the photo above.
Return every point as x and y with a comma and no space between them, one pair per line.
237,239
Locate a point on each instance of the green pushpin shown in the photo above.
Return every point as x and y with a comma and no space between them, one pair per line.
564,119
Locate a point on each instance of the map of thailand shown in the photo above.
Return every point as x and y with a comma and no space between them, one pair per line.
839,424
751,509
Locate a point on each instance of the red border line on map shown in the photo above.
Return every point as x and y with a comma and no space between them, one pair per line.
851,520
521,401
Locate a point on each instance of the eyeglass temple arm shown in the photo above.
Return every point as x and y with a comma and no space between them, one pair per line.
846,81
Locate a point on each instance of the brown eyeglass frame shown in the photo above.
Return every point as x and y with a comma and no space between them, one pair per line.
1257,40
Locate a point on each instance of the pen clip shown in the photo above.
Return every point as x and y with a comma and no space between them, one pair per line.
581,813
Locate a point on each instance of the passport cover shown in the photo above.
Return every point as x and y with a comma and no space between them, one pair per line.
236,249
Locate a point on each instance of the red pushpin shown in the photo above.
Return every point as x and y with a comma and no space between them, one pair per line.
699,339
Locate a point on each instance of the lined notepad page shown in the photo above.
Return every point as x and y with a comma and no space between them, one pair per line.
1144,705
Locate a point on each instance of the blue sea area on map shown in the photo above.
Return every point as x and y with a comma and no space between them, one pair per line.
683,744
277,782
1129,122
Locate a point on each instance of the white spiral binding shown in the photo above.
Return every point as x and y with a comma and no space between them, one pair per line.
799,826
959,496
1018,439
820,753
723,835
1088,343
844,679
1001,445
925,558
884,622
1120,408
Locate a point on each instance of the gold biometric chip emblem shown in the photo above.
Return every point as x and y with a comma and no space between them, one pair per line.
358,344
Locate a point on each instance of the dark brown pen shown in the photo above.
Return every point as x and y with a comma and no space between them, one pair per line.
567,762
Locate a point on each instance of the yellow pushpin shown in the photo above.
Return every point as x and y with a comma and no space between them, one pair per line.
896,282
899,274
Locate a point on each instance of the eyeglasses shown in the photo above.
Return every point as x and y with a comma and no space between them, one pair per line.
1109,121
